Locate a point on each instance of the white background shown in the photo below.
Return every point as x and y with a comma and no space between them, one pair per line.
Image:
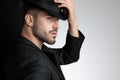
99,21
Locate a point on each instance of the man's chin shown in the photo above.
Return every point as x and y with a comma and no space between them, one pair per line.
51,42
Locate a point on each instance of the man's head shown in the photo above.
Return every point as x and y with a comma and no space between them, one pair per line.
39,22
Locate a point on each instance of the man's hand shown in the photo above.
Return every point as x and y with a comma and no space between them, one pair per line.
72,21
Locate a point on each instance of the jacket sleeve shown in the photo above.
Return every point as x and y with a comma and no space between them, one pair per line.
70,52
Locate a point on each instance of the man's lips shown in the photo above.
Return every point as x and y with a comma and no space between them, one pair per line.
54,32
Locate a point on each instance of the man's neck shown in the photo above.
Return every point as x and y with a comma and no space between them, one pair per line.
32,38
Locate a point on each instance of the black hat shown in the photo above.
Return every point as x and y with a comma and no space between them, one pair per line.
49,6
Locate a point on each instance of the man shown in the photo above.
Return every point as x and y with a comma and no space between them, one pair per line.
30,59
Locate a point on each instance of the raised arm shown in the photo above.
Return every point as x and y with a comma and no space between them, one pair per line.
69,11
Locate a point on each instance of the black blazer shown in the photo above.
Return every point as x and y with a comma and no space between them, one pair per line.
27,62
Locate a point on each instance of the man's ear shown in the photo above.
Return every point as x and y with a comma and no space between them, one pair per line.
29,19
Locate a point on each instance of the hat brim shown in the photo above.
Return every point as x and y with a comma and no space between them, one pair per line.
53,11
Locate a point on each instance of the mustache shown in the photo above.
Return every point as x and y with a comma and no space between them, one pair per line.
53,31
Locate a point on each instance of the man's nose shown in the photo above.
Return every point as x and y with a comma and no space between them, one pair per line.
56,25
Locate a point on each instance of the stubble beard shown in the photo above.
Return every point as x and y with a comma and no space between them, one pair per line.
42,36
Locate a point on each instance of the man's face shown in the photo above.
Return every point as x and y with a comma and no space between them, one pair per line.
45,27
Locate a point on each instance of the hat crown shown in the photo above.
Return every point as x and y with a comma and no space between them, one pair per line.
49,6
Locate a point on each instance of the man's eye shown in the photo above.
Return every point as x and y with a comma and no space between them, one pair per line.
49,17
52,19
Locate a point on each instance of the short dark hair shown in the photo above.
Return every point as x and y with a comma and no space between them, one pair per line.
26,8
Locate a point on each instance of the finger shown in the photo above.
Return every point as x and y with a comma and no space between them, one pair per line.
59,1
67,5
63,5
64,1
